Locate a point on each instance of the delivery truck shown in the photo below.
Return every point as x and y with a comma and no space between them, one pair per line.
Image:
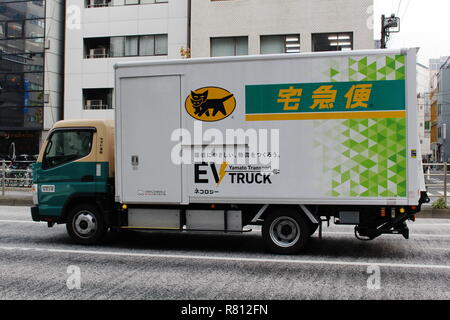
285,142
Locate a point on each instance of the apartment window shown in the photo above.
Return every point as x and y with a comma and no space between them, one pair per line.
117,48
144,1
340,41
280,44
97,99
129,46
230,46
107,3
153,45
97,48
153,1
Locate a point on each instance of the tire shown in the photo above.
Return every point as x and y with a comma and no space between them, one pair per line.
285,231
86,225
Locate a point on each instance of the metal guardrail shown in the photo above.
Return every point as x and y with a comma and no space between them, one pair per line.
16,176
436,177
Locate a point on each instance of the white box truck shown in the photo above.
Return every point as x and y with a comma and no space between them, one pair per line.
221,144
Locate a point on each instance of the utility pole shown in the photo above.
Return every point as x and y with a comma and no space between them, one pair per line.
388,26
383,32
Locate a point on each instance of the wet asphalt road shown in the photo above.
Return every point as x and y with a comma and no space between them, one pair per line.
41,263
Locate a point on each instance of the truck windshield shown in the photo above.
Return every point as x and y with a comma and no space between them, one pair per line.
65,146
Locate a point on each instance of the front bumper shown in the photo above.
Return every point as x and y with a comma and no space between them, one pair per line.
35,213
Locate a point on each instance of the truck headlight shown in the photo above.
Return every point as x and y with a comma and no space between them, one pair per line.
34,190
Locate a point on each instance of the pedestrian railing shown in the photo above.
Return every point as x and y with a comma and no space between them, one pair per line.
15,176
436,179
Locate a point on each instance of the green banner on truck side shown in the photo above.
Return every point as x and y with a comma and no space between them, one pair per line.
329,100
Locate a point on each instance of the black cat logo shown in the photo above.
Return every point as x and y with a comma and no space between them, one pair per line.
210,104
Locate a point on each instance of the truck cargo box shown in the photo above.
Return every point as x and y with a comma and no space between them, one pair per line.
334,128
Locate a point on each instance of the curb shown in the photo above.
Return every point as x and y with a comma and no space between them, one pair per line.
16,201
431,213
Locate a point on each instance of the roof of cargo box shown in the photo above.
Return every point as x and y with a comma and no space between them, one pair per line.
261,57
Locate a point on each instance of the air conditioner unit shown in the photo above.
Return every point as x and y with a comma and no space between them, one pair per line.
94,104
97,53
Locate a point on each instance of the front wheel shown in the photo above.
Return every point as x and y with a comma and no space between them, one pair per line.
85,224
285,232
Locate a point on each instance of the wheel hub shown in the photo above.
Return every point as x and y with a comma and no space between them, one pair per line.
284,232
85,224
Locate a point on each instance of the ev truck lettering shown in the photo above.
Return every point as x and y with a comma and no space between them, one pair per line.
210,104
201,173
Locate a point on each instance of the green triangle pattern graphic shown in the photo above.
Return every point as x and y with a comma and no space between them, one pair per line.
370,68
365,158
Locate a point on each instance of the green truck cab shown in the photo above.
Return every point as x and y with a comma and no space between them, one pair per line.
73,177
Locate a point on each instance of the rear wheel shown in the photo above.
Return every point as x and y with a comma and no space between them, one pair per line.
285,232
85,224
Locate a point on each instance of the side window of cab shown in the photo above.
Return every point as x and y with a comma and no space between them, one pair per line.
66,146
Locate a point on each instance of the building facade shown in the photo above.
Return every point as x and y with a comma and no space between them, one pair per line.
423,106
240,27
31,71
101,33
440,112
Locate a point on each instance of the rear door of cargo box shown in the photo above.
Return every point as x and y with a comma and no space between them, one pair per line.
149,113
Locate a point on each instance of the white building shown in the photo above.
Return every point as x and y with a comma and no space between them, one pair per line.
100,33
240,27
423,105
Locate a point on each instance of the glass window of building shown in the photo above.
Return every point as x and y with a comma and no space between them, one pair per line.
22,25
229,46
272,44
161,44
14,29
339,41
131,46
127,46
146,45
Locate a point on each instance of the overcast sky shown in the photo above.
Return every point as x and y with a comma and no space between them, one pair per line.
424,24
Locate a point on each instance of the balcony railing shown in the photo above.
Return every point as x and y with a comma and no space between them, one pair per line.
97,56
97,107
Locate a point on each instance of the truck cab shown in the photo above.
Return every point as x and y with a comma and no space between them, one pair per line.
73,175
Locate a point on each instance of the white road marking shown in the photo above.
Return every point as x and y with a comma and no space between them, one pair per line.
443,249
411,234
233,259
18,221
324,232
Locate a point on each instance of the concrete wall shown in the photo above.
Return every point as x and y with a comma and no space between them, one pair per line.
119,20
254,18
